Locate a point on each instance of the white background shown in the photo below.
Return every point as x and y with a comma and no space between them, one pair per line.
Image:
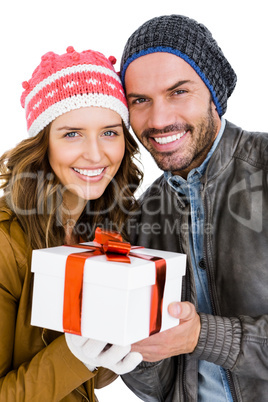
30,28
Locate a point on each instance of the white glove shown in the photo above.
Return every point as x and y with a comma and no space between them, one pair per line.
94,353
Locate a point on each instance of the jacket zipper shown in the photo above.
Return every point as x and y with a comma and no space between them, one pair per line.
212,292
84,396
186,296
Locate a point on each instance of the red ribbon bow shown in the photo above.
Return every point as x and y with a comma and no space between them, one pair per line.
111,244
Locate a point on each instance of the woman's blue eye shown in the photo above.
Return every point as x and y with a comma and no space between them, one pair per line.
71,135
109,133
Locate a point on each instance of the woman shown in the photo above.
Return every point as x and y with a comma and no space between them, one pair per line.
72,175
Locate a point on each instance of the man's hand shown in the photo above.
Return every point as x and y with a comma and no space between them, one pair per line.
175,341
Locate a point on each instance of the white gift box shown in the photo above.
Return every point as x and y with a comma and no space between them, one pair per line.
116,298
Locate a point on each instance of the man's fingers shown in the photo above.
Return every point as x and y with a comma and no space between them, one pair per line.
182,310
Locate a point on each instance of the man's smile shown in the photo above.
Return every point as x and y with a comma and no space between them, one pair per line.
168,139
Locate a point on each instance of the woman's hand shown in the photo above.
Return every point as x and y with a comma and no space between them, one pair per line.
94,354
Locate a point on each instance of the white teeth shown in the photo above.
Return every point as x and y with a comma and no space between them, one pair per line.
170,138
89,173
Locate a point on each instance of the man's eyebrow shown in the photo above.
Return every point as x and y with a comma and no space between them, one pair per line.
133,95
179,83
176,85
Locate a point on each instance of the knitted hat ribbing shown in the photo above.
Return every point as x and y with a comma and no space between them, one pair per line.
62,83
192,42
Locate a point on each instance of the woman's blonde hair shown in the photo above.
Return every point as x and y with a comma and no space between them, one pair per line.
34,193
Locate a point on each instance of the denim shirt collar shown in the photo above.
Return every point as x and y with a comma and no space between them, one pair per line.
178,183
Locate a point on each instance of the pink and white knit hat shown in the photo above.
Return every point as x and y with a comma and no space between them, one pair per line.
62,83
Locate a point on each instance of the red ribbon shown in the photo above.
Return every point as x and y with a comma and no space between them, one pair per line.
110,244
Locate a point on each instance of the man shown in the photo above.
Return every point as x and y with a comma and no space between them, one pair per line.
210,203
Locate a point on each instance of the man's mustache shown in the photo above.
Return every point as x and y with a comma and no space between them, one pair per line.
150,132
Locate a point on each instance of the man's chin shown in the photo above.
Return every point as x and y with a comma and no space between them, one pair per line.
168,165
165,165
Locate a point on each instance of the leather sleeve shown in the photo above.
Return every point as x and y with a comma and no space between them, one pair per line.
153,382
238,344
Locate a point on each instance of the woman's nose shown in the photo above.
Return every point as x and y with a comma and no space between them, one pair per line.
92,151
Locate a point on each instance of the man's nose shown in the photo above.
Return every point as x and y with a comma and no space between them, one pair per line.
160,115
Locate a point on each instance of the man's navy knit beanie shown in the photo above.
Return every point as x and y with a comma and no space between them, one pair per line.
193,42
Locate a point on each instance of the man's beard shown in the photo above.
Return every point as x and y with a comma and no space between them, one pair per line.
204,133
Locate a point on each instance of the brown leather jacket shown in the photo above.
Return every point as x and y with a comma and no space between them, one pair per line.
35,364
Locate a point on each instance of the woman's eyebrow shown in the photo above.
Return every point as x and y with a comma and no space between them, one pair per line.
68,128
113,125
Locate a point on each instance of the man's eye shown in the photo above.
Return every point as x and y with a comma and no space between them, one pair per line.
139,100
179,92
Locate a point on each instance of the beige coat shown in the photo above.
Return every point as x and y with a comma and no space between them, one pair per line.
35,364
